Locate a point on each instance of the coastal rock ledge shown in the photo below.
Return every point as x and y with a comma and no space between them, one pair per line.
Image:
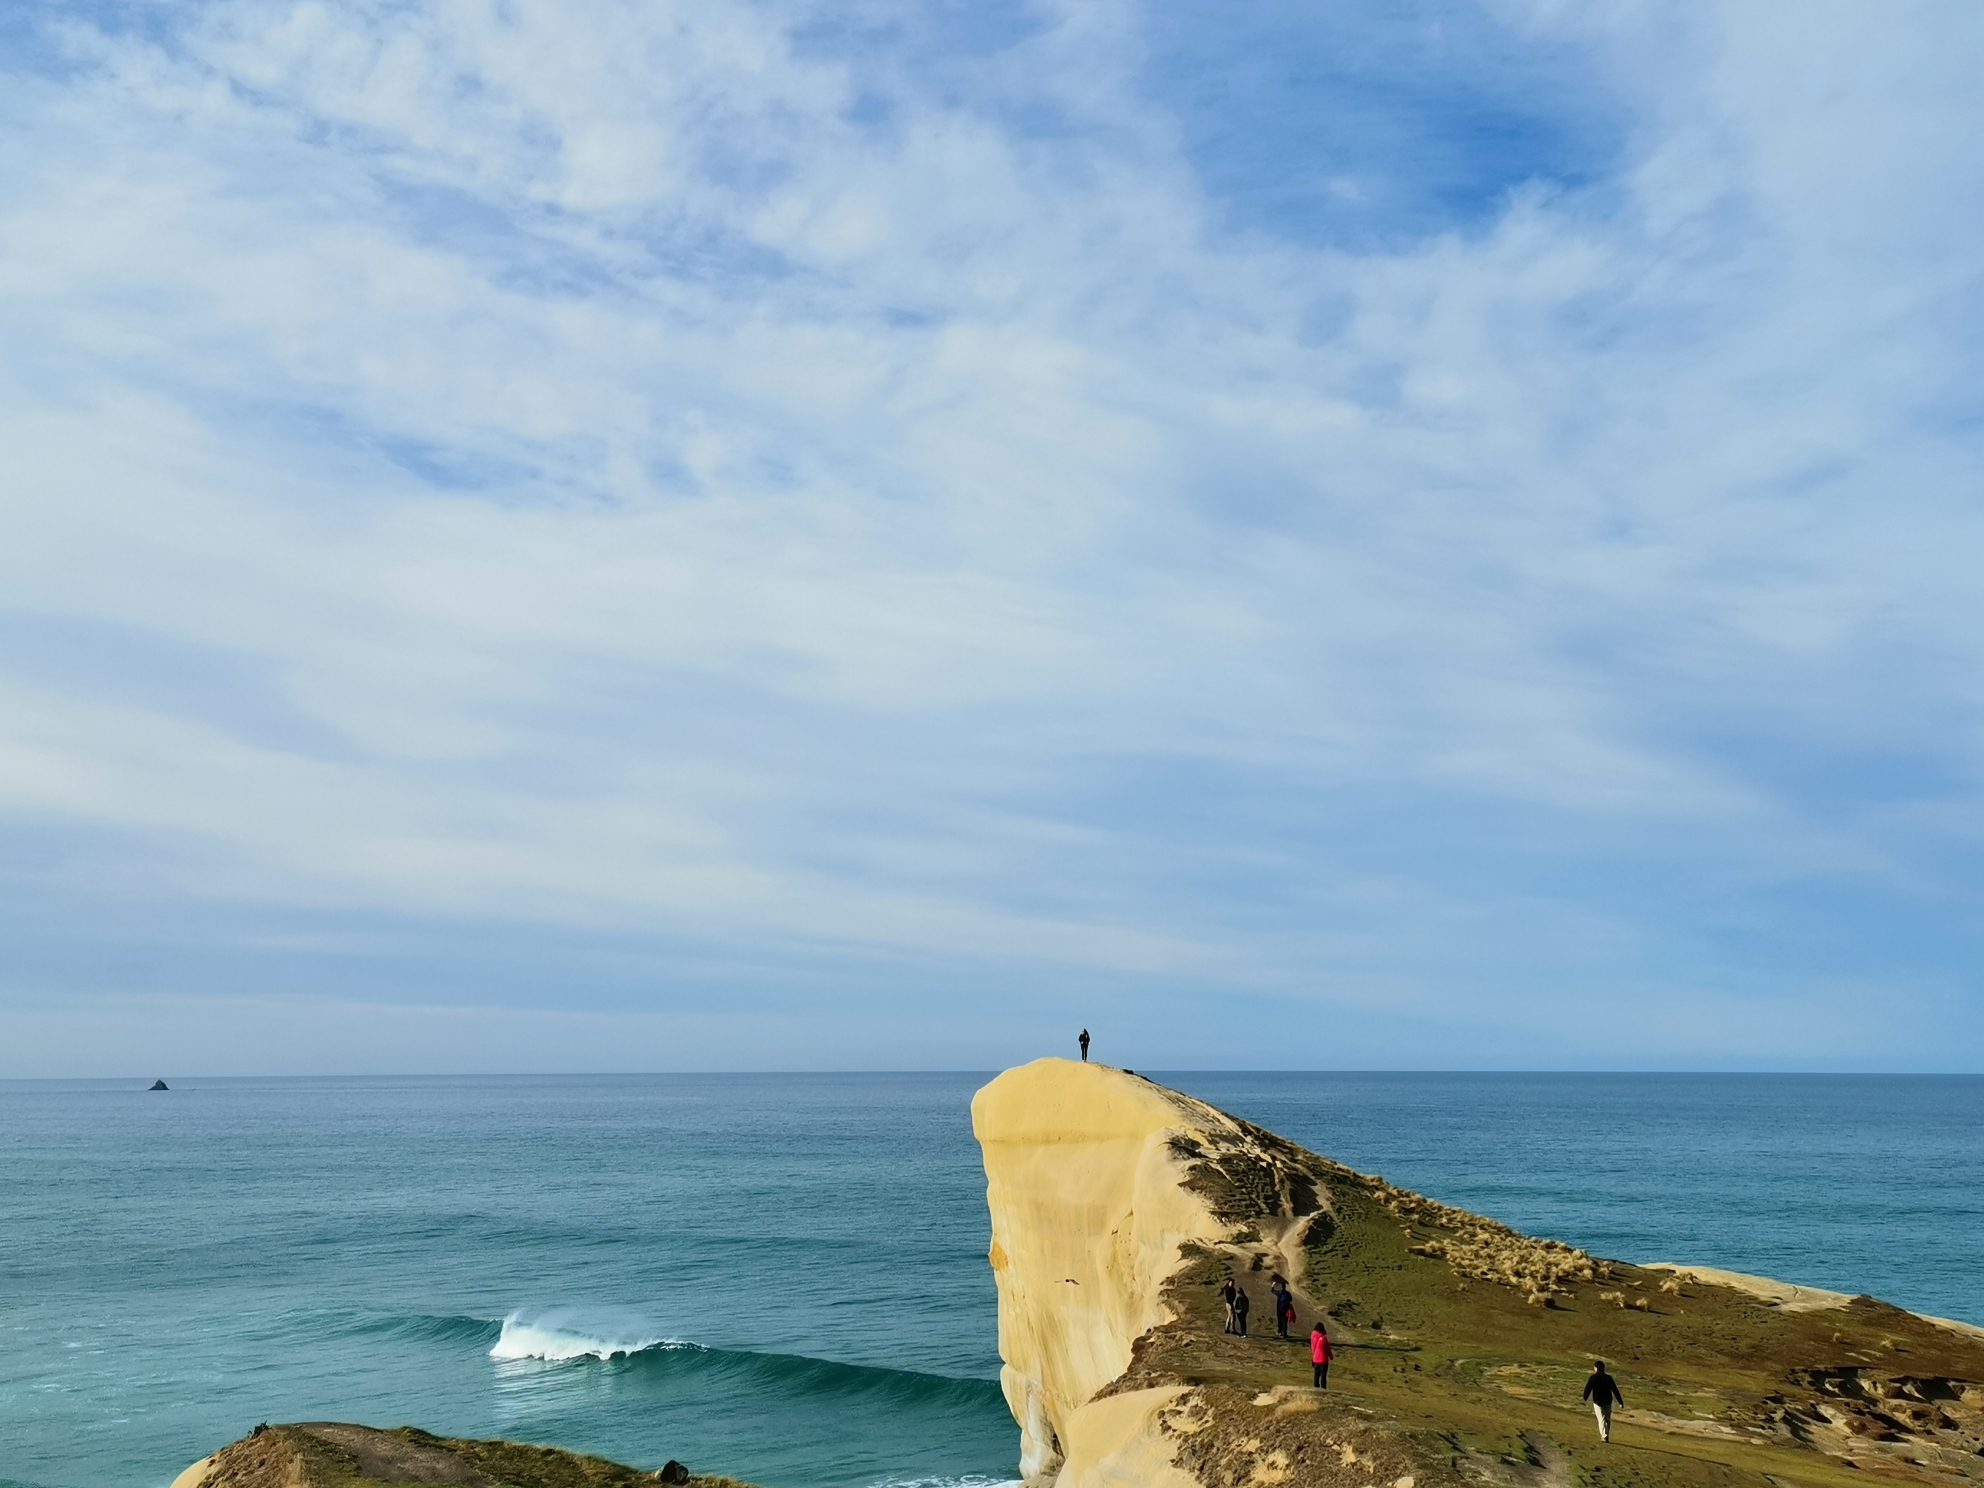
336,1454
1120,1207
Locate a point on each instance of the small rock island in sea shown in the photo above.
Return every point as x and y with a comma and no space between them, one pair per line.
1120,1209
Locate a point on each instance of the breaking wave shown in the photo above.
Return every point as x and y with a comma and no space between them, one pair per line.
679,1364
555,1343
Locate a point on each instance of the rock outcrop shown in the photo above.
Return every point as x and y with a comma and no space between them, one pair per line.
333,1454
1090,1206
1120,1207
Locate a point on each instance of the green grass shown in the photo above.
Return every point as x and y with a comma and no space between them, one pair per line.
1479,1382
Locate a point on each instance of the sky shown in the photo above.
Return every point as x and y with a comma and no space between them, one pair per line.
716,535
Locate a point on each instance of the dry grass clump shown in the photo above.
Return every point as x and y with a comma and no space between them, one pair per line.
1620,1299
1488,1250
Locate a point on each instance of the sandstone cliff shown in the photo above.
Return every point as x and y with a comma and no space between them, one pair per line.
1119,1207
1090,1207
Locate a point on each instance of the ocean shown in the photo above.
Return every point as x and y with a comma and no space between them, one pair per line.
782,1277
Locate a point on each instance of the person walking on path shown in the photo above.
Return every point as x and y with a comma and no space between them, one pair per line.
1227,1294
1284,1307
1319,1355
1241,1307
1083,1041
1603,1392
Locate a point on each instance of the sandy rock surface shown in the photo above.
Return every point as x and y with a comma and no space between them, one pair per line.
1119,1208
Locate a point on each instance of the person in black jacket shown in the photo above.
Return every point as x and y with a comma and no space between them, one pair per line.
1603,1392
1083,1041
1241,1307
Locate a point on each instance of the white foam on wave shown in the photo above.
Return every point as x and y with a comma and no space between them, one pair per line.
555,1341
968,1480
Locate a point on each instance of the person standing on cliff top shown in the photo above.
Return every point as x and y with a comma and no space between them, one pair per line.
1241,1307
1319,1355
1227,1293
1603,1392
1083,1041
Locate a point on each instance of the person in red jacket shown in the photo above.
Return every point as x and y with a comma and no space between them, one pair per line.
1319,1355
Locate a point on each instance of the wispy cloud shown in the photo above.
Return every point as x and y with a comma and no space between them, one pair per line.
1396,527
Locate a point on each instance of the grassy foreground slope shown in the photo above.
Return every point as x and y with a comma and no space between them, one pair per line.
325,1454
1463,1347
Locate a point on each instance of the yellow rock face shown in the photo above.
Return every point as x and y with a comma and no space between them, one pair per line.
1088,1213
1115,1200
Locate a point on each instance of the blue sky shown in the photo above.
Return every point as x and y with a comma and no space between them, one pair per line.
711,535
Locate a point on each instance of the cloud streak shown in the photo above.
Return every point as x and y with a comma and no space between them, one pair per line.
1072,508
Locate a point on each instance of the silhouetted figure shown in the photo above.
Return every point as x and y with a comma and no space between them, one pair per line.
1228,1293
1083,1041
1603,1392
1241,1307
1319,1355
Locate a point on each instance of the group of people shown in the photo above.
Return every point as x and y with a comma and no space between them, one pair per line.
1600,1389
1238,1305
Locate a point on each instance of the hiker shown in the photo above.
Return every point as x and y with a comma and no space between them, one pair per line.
1319,1355
1227,1293
1241,1307
1284,1307
1603,1392
1083,1041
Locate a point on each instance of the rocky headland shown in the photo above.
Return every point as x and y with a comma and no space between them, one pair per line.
335,1454
1119,1208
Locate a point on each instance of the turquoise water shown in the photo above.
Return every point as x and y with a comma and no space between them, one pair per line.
780,1276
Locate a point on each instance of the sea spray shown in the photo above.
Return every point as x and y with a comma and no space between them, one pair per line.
557,1337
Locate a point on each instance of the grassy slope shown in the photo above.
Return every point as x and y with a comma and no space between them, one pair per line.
1446,1376
308,1456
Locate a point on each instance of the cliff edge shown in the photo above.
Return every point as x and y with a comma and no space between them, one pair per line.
1119,1208
1090,1208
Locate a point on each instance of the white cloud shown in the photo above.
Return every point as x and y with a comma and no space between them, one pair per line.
659,488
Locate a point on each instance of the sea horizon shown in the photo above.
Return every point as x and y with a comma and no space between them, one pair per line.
639,1265
990,1071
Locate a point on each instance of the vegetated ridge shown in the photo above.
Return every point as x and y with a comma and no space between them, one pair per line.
1119,1208
330,1454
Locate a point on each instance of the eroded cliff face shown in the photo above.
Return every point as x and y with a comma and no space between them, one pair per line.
1119,1207
1088,1209
1096,1181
